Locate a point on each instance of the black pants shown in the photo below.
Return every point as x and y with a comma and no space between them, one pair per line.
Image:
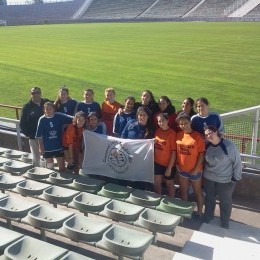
224,192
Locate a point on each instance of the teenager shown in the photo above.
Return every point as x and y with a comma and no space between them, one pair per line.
190,156
49,134
164,156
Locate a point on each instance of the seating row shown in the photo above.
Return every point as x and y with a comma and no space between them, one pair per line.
121,241
154,221
15,245
58,195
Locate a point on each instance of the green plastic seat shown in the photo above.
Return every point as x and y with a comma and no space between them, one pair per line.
3,160
27,158
45,217
13,207
8,237
177,207
124,241
157,221
122,211
16,167
31,188
89,203
8,181
39,173
60,178
88,184
31,248
59,195
144,198
81,228
3,150
115,191
13,154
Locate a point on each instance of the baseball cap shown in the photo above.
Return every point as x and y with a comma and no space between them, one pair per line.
36,90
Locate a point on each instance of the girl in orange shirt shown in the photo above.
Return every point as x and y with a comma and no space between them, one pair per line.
164,155
190,156
109,108
73,142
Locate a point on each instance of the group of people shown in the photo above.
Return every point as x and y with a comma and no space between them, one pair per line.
188,145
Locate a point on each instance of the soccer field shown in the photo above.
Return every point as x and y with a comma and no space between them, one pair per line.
220,61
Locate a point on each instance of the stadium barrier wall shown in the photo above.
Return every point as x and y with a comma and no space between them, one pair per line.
135,20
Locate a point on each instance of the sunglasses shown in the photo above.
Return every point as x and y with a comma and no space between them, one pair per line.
37,92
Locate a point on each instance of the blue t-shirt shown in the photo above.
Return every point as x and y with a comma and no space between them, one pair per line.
198,122
69,107
50,129
133,130
120,121
89,107
100,129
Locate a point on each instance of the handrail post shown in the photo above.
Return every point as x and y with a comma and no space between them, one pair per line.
255,132
17,113
19,137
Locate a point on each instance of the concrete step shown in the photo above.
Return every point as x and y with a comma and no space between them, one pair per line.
212,242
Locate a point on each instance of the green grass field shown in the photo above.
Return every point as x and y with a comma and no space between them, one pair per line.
220,61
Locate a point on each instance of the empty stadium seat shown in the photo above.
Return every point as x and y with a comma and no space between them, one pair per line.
60,178
13,154
115,191
12,207
88,184
177,207
45,217
16,167
8,237
58,195
31,248
157,221
89,203
81,228
27,158
123,241
3,160
144,198
31,188
39,173
8,181
122,211
3,150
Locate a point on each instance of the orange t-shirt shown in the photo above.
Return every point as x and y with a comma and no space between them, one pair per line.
108,112
73,135
189,146
165,143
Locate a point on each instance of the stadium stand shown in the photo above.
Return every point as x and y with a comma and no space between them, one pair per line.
171,8
114,9
112,227
39,13
255,13
212,8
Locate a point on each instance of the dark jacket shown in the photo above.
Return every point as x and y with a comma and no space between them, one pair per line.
31,113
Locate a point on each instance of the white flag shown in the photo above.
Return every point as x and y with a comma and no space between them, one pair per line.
118,158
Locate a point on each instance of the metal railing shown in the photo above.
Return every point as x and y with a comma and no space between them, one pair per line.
233,122
17,109
14,125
